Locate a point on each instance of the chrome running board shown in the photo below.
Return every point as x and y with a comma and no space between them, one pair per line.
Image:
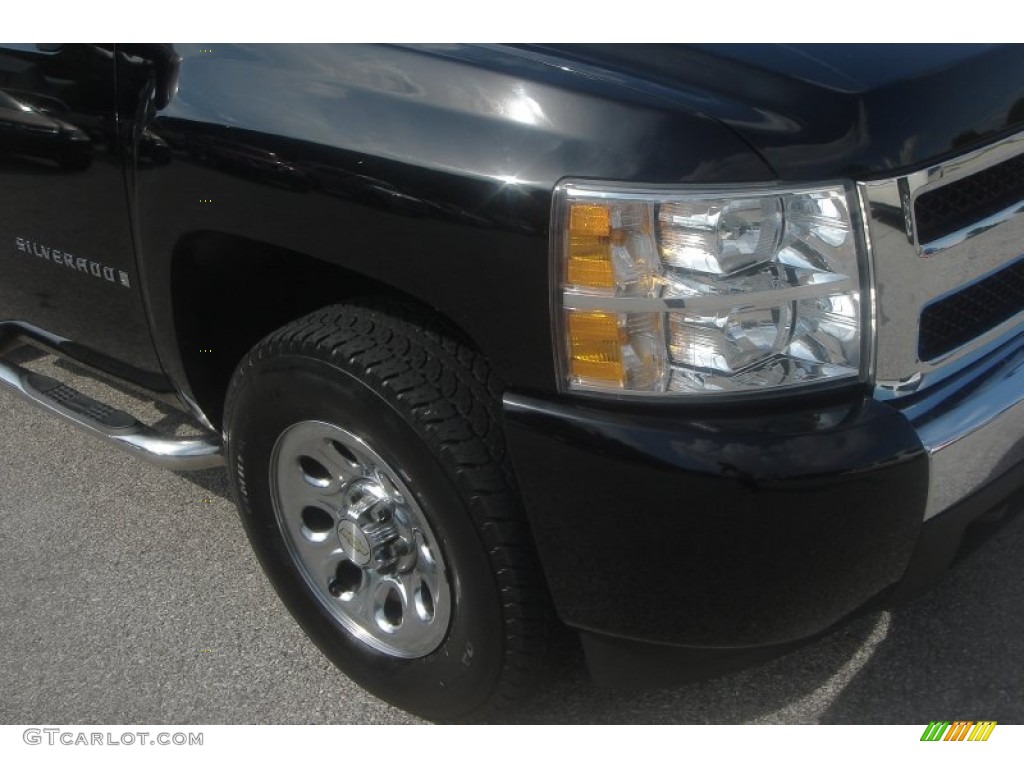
111,425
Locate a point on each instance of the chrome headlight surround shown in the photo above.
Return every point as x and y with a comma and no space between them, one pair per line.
679,292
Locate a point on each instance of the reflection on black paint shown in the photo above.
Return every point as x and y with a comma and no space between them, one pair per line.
64,188
36,132
246,160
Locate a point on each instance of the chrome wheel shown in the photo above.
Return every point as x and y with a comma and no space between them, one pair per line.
360,539
368,459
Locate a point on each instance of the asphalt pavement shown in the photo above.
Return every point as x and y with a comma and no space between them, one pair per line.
129,594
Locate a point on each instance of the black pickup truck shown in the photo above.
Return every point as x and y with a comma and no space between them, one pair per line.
695,350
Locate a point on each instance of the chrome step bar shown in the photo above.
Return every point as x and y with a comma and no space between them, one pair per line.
109,424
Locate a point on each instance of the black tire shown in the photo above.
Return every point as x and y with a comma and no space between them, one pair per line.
429,407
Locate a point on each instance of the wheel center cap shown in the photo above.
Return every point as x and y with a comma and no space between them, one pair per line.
354,542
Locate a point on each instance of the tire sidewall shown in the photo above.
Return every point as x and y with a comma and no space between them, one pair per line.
275,393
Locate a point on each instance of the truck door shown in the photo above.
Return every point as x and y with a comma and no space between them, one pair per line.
67,264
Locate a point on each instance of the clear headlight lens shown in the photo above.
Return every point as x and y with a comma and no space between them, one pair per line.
702,292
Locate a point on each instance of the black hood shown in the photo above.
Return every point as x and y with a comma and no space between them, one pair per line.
820,111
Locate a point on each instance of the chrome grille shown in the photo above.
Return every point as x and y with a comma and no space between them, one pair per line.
956,320
947,246
958,205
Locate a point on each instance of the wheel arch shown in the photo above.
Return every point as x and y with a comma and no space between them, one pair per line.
229,291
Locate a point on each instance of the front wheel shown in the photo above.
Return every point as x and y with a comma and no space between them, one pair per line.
369,467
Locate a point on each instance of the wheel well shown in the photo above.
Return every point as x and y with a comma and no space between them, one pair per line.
229,292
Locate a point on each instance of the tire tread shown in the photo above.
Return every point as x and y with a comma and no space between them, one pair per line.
451,396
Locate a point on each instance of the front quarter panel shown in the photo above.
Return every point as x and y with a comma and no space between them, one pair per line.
429,170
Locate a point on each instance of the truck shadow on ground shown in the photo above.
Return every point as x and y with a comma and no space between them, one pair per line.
213,481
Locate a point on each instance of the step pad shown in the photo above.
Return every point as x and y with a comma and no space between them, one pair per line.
184,452
83,405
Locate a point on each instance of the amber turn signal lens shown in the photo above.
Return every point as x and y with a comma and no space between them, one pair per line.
590,220
589,262
595,348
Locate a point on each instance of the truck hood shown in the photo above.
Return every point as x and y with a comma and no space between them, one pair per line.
820,111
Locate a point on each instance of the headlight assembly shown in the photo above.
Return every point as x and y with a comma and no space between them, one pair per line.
670,291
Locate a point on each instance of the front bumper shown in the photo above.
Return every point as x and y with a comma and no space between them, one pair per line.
760,525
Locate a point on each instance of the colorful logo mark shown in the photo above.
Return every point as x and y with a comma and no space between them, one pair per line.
958,730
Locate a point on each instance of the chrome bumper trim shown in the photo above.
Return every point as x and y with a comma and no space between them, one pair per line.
974,433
